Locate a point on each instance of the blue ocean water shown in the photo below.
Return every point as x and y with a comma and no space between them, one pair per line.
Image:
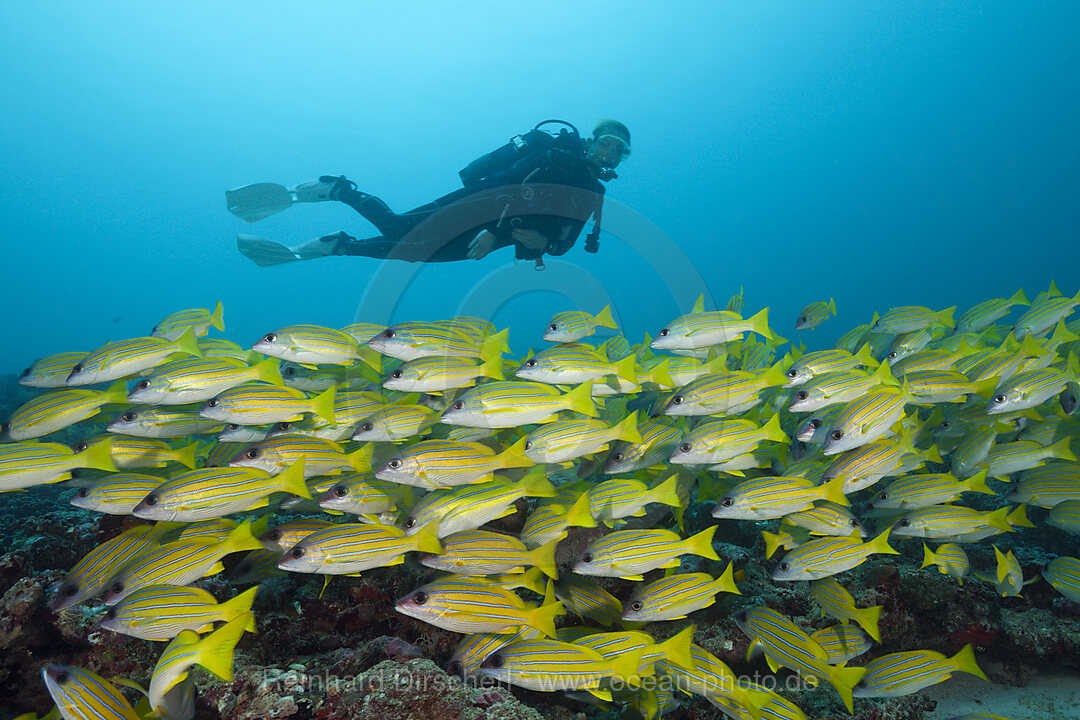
879,153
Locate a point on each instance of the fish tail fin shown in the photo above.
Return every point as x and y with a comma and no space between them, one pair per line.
883,375
660,374
323,404
360,459
774,375
701,544
495,345
928,558
99,457
677,647
1061,450
945,317
215,651
759,323
626,368
999,519
536,484
543,558
627,430
964,661
580,399
604,319
773,541
188,343
292,480
239,605
492,367
868,618
579,514
426,539
880,544
667,492
865,357
977,483
217,318
726,581
1018,517
773,432
833,491
985,388
186,455
514,456
269,370
241,538
1019,298
543,618
627,667
844,679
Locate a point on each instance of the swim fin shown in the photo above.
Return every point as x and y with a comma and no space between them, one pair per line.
264,252
252,203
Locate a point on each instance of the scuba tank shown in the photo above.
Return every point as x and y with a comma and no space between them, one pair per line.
520,146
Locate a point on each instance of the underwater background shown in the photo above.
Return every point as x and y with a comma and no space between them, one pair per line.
880,154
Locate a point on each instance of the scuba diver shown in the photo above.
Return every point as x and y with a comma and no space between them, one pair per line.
535,193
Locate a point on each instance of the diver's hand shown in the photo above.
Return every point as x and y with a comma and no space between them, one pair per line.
481,244
532,239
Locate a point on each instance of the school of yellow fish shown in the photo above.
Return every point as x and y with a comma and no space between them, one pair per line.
409,439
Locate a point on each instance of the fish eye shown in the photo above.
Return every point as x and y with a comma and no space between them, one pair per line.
25,373
801,395
677,400
289,371
685,447
151,499
884,496
367,427
251,453
836,434
389,334
727,502
394,464
793,373
117,587
77,368
62,678
275,535
83,492
553,327
892,355
79,447
617,457
129,416
496,661
531,362
802,318
410,522
905,523
142,384
70,590
212,403
784,566
636,605
946,425
455,667
420,597
663,333
587,558
815,424
232,426
297,552
1000,399
528,444
110,614
397,374
270,337
341,490
458,404
855,523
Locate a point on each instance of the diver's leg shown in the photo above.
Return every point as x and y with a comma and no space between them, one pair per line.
372,208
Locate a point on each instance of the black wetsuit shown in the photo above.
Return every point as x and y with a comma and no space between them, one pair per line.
552,190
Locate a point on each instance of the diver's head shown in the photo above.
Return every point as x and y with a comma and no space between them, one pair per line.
609,144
